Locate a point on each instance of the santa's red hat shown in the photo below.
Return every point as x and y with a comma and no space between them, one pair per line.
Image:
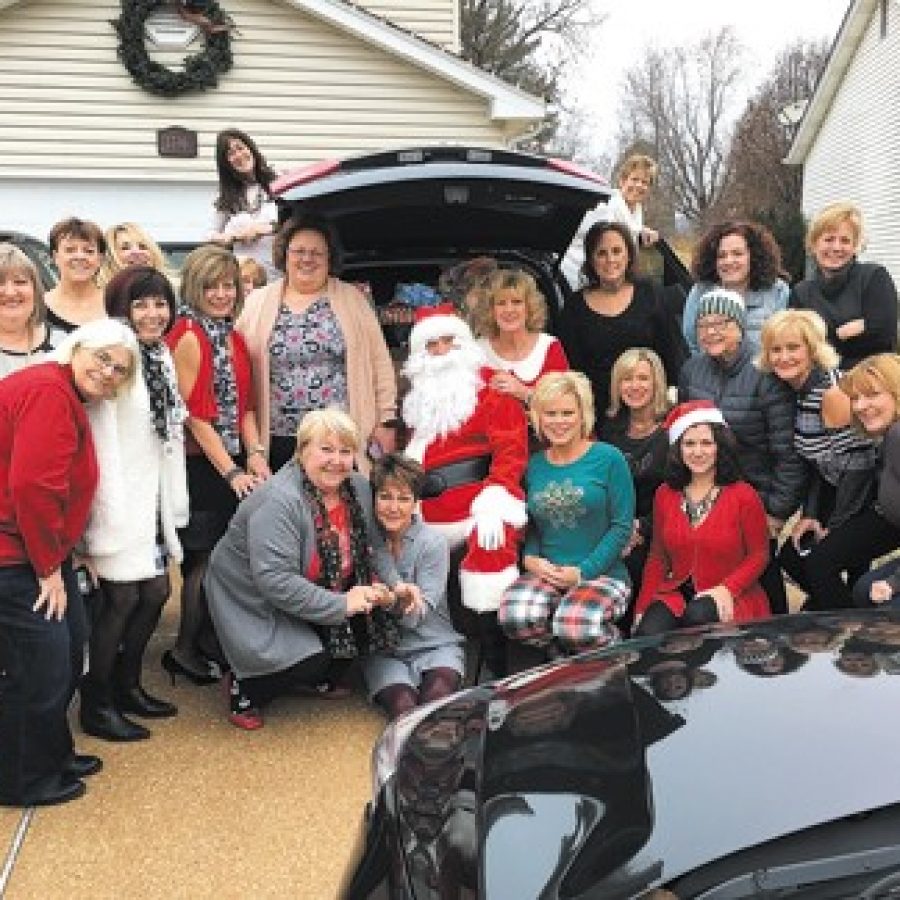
686,415
433,322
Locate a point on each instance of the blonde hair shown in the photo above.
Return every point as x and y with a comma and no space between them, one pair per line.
624,366
559,384
831,218
252,270
812,330
484,321
12,259
638,162
873,374
204,266
330,420
113,263
101,334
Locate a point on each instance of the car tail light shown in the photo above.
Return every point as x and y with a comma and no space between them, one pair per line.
304,175
570,168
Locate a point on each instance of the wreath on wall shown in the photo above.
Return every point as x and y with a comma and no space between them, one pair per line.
201,70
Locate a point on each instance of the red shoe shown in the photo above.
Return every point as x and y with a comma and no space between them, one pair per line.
249,719
242,714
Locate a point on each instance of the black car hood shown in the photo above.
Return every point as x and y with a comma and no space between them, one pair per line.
449,205
617,771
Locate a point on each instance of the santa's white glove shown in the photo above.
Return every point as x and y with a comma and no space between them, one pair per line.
490,531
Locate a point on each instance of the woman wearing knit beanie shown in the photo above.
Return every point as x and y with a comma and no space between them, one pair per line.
757,407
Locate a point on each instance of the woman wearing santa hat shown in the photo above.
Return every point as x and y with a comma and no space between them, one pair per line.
710,541
759,411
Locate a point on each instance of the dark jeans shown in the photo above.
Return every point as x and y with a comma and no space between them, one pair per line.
40,667
658,618
772,582
848,547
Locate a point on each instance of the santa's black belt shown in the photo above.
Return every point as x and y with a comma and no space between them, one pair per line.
466,471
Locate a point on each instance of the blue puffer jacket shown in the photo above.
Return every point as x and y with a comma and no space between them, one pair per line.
759,409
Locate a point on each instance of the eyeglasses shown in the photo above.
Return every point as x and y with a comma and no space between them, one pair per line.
719,326
305,253
108,364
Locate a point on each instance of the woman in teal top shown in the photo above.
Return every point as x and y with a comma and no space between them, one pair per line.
581,514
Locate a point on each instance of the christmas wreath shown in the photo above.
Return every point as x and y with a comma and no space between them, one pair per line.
201,70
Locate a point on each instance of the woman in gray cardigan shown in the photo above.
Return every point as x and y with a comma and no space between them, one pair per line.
290,584
428,662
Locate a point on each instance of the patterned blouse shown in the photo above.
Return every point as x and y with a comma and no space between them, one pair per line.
307,365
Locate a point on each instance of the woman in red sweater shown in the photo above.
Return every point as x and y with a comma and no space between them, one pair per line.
710,542
48,475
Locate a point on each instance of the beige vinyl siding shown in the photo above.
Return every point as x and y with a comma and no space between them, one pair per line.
434,20
303,90
856,154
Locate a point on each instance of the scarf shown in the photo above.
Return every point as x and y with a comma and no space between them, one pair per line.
218,332
833,284
166,407
377,632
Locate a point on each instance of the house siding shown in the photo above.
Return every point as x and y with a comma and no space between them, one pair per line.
856,155
70,116
435,20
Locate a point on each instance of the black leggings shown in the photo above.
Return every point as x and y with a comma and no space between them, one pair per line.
309,672
127,618
848,548
658,618
397,699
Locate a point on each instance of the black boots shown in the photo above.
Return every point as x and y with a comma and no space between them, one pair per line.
100,718
136,700
130,697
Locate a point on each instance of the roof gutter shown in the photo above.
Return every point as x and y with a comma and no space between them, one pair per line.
849,37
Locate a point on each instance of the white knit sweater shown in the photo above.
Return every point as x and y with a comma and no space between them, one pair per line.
142,481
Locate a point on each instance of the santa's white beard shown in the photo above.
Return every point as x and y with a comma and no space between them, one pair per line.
444,391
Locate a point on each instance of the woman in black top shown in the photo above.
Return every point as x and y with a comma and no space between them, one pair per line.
633,424
617,311
858,301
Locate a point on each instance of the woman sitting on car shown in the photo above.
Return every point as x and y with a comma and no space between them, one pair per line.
741,257
24,335
710,541
581,510
78,248
315,342
428,661
510,315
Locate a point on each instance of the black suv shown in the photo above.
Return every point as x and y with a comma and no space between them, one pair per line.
404,216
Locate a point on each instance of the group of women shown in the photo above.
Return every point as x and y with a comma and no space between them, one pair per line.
251,437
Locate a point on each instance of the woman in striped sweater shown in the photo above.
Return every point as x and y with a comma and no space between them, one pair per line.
840,461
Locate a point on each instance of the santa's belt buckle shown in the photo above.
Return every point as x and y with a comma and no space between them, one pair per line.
467,471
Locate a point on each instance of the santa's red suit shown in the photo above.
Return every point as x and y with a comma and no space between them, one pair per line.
459,418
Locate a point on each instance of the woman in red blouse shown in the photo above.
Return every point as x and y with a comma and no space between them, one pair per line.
710,541
225,458
48,476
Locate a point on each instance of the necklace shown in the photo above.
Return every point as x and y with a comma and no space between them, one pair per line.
697,512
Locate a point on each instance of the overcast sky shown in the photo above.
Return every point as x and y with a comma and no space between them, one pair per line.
764,26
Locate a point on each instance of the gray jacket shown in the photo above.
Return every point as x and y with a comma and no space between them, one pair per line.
759,410
260,600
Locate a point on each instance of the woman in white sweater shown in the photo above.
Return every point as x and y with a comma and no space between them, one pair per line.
140,502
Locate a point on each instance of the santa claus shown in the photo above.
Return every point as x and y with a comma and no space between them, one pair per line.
473,443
